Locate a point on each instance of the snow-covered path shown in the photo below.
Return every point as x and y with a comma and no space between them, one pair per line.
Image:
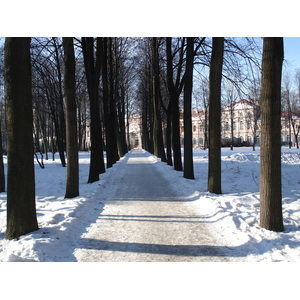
146,220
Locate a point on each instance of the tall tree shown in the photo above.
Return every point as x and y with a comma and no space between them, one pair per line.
214,153
108,104
92,69
2,174
72,185
188,167
270,153
21,210
158,144
61,117
46,57
144,94
175,90
112,104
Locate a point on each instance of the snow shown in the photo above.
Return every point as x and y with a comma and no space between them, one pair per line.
233,217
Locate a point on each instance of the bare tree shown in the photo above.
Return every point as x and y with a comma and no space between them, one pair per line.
21,210
215,77
72,185
188,167
175,86
270,154
48,91
159,150
2,174
92,67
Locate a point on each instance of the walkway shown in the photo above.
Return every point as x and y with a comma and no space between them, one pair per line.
145,220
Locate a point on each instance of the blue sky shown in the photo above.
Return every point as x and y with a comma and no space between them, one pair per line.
292,52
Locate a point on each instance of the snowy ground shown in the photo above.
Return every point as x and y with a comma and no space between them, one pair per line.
232,216
146,220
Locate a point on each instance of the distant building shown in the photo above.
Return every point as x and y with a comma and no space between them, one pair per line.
240,121
290,128
135,137
240,124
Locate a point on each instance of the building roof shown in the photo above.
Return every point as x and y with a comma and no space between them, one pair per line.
242,104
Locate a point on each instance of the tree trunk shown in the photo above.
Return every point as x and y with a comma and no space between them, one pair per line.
214,152
188,170
174,93
72,185
231,124
158,144
92,75
109,130
2,174
169,135
61,124
270,153
21,210
112,103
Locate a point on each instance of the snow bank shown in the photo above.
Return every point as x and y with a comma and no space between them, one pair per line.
233,217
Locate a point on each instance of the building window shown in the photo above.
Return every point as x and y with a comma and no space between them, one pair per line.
194,128
226,126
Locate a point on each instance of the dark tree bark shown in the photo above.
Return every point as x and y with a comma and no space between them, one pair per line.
21,210
92,75
215,78
147,107
188,170
2,175
108,118
121,111
147,118
61,123
270,153
158,144
169,135
72,185
112,103
175,90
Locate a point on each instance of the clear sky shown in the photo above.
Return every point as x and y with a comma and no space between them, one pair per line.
292,52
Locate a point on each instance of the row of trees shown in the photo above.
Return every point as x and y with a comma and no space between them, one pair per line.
55,77
61,75
173,63
241,64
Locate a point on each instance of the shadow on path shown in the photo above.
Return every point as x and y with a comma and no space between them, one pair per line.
181,250
178,250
